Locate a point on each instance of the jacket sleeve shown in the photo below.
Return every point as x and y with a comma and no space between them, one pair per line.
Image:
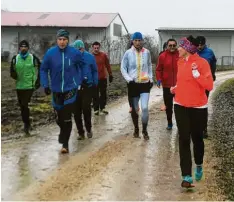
80,64
37,63
213,65
205,79
150,73
12,68
124,68
107,64
94,71
159,69
44,70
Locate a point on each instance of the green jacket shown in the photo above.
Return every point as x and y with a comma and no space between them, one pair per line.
26,71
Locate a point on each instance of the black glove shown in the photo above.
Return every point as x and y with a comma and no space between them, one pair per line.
151,84
110,79
84,83
214,77
131,82
94,86
37,84
47,91
13,75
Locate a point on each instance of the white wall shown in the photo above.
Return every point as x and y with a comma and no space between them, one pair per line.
10,35
38,35
232,46
222,42
9,41
118,21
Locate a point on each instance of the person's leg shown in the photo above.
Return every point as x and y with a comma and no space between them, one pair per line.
168,100
145,113
78,115
129,99
184,130
65,120
207,94
24,97
86,105
205,133
103,95
198,121
135,116
96,98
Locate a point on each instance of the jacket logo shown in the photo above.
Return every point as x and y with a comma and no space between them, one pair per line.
194,66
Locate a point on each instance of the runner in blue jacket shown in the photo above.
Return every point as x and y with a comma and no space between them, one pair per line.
89,78
207,54
61,65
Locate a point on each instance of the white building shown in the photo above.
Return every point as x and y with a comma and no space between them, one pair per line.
220,40
40,29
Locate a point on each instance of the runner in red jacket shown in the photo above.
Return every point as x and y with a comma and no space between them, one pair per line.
166,71
100,97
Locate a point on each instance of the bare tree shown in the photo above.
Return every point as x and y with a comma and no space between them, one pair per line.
150,43
117,48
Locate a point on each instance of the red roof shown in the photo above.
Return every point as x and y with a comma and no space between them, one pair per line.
57,19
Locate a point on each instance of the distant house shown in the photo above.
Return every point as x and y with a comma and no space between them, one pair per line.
221,40
40,29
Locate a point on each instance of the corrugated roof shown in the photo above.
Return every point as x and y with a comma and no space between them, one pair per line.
56,19
192,29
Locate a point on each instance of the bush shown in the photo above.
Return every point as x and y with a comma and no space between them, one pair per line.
223,136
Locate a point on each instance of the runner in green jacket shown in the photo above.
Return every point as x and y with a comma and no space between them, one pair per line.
25,70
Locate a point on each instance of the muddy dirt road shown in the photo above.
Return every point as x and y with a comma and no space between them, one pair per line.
111,166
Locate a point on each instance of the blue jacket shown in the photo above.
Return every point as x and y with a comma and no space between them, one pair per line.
63,67
209,55
89,69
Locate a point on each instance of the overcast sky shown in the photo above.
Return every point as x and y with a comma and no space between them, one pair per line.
142,15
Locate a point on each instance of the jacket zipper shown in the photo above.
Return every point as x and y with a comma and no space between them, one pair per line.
62,71
74,81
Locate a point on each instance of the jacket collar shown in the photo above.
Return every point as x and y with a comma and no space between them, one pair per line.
135,50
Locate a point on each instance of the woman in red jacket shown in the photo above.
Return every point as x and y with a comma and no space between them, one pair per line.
190,104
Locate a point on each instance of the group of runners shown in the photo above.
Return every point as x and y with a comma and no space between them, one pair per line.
76,78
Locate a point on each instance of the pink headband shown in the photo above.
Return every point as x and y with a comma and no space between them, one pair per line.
187,45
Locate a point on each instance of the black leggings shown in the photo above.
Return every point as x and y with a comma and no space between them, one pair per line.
190,123
168,100
64,120
24,97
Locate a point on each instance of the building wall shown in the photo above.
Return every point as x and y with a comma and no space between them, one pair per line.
232,46
41,38
44,35
222,42
118,21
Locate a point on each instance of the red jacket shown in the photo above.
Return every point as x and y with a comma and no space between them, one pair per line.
190,91
103,65
166,69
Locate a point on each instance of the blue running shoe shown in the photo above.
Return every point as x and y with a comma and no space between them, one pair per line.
169,126
198,173
187,182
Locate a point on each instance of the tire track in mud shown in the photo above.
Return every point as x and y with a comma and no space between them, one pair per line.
74,174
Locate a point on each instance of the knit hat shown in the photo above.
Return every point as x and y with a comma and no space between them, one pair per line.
63,33
137,35
78,44
187,45
201,40
24,43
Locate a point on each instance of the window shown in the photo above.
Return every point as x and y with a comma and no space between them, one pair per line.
86,16
117,30
43,16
